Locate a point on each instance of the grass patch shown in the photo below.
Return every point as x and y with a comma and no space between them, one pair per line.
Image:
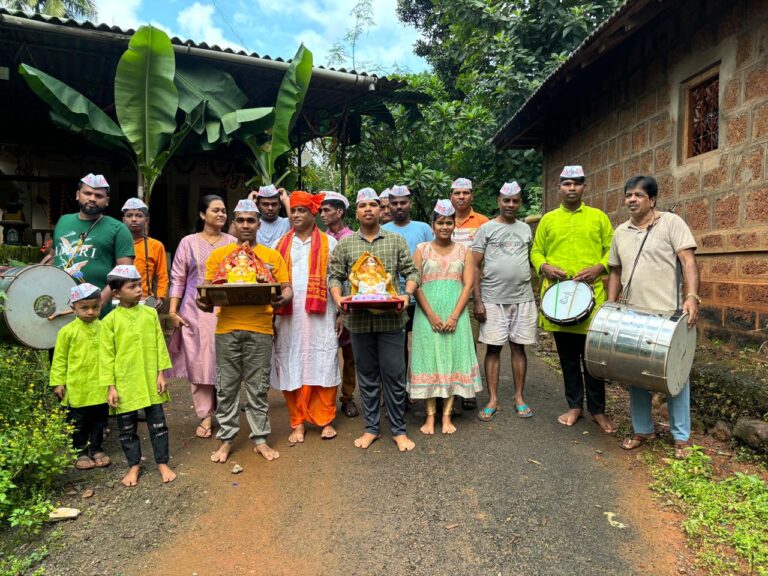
727,519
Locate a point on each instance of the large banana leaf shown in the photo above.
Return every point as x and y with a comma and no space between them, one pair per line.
197,83
73,111
146,99
290,99
257,120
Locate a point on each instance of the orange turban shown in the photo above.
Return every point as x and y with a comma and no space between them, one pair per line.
309,201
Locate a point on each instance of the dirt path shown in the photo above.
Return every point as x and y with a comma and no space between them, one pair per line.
508,497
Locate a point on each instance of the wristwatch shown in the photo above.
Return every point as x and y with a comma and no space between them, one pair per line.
694,296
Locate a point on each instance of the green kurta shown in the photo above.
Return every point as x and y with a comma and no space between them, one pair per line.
76,365
572,241
131,354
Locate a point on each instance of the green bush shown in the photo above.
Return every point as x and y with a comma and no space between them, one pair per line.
35,438
12,255
720,393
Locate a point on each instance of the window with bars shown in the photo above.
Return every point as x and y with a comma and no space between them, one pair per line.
702,111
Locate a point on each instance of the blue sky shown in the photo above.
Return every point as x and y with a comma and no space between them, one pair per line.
274,27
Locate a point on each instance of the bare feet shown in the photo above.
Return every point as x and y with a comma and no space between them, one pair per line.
166,473
268,453
328,432
429,425
404,444
297,435
132,477
366,440
605,423
221,455
204,428
448,427
569,418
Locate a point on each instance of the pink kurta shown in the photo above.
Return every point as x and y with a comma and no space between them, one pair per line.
193,349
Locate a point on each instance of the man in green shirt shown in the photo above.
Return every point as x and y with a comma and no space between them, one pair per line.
572,242
88,244
378,341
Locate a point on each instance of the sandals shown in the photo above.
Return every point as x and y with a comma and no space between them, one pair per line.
487,414
636,441
101,460
682,449
523,411
84,462
206,431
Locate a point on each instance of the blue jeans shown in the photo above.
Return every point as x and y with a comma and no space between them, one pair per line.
679,412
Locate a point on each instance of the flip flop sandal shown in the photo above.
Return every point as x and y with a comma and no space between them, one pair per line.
636,441
206,431
84,463
523,411
487,414
681,450
101,460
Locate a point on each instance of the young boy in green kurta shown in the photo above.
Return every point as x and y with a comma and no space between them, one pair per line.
132,357
75,377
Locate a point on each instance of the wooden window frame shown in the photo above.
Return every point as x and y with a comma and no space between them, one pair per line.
687,124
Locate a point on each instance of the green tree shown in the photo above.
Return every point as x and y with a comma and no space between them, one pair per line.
362,21
59,8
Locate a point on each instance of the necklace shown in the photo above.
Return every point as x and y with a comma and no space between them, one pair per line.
204,237
643,225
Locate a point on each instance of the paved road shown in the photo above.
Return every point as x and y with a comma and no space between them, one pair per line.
514,496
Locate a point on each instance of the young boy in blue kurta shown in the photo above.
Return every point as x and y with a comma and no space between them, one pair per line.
132,357
75,377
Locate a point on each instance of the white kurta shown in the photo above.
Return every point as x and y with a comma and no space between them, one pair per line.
306,347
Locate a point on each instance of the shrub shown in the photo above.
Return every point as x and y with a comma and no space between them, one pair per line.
720,393
35,444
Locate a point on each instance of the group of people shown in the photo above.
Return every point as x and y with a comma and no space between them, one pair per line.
461,278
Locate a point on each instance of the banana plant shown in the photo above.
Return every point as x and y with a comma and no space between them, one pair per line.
146,103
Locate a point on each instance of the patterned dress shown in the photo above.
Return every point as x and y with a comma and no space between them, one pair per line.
442,365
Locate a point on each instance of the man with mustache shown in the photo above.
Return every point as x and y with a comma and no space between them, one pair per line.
88,244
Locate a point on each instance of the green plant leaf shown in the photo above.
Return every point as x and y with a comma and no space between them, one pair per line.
290,99
257,119
146,99
73,111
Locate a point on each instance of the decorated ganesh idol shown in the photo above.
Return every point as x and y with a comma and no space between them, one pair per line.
242,266
370,280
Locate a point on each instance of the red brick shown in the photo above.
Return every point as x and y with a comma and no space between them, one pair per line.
743,240
736,130
632,167
697,214
756,210
660,128
689,183
721,266
712,241
662,96
706,290
647,106
740,319
760,122
601,180
666,184
749,166
640,138
756,82
646,162
662,157
755,267
598,201
625,146
615,175
596,156
728,291
611,202
744,49
613,152
732,94
714,179
727,212
627,118
756,294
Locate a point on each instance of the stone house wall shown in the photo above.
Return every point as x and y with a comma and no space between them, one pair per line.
625,118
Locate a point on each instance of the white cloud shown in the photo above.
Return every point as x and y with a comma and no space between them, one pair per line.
122,13
196,23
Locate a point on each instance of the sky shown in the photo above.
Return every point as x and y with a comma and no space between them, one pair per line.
275,27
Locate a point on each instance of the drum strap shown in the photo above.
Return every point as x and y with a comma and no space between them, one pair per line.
81,241
625,295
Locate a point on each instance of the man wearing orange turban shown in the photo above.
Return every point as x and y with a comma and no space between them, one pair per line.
305,364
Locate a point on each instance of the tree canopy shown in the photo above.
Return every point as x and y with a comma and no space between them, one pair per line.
58,8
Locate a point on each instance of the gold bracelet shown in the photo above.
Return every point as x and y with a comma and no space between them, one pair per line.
694,296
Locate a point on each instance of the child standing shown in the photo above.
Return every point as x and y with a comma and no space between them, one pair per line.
132,357
75,377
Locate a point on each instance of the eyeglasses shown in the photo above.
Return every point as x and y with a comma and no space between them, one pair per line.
241,220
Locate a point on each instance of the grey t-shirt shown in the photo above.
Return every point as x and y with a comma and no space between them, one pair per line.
506,275
270,232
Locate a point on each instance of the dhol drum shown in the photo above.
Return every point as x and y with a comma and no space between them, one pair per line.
568,302
643,348
32,293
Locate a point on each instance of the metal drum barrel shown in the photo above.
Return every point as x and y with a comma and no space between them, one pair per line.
642,348
32,293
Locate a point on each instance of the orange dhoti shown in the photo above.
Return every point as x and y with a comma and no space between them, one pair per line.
313,404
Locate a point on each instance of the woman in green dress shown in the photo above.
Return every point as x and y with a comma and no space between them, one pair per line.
443,359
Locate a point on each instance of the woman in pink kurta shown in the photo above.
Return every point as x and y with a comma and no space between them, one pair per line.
192,346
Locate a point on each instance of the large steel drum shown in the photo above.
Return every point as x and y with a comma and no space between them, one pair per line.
642,348
32,293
